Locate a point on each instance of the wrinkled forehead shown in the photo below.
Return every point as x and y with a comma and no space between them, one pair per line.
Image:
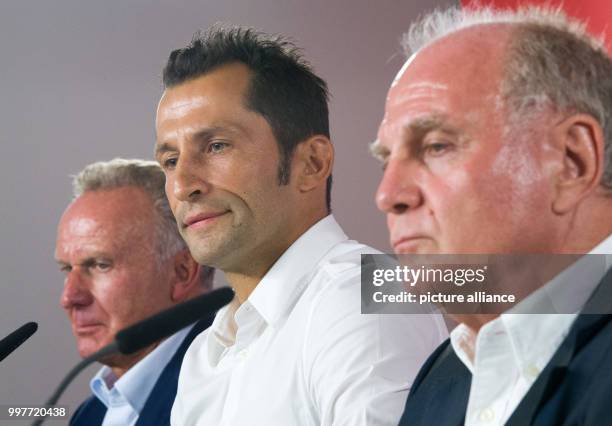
461,72
471,59
115,214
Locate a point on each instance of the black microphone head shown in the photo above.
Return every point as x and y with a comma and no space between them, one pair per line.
168,322
16,338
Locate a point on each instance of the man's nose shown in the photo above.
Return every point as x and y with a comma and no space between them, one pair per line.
76,290
398,191
189,180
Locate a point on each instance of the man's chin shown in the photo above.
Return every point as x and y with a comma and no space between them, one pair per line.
420,246
212,252
89,348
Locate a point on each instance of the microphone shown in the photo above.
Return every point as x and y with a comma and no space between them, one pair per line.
16,339
165,323
148,331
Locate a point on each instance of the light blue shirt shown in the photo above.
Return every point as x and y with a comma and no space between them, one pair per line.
125,397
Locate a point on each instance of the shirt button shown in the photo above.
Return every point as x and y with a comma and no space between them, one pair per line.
531,371
243,354
487,415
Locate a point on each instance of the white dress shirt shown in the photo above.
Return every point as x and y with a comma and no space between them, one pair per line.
508,353
125,398
299,352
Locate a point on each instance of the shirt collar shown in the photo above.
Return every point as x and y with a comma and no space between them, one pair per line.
280,288
463,341
527,339
547,331
533,336
136,384
605,247
561,294
278,291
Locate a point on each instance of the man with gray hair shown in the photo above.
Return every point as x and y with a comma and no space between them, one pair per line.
124,260
497,139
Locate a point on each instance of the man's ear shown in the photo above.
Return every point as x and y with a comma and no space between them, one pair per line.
581,141
313,160
186,276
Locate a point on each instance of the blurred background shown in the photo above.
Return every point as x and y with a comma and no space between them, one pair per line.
80,83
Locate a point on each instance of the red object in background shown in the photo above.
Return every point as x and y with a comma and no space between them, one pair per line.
596,13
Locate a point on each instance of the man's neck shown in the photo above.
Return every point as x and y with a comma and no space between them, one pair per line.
120,364
588,225
474,321
244,282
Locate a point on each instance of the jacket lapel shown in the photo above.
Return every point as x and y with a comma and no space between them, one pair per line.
440,392
156,410
593,317
91,412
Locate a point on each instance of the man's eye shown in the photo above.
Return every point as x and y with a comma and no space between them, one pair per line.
169,163
65,268
437,148
102,266
217,147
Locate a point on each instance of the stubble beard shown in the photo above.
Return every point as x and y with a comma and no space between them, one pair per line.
220,249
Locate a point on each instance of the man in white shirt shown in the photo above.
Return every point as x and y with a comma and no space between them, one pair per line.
497,138
124,261
243,137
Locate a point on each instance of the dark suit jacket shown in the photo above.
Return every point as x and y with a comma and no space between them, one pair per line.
575,387
156,410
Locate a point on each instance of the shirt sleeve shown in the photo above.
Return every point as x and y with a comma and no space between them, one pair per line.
359,367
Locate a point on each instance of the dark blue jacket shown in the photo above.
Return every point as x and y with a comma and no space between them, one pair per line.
575,387
156,410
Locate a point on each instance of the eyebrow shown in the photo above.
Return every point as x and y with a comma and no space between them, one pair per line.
204,134
378,151
62,264
421,126
201,135
161,149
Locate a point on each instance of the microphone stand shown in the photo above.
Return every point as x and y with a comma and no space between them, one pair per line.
85,362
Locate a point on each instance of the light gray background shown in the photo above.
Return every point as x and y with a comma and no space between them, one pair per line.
80,82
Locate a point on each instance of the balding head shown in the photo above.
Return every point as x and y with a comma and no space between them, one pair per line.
474,161
547,54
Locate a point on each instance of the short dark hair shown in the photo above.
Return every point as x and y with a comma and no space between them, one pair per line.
283,89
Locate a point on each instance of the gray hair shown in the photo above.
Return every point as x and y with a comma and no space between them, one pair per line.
552,63
148,176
